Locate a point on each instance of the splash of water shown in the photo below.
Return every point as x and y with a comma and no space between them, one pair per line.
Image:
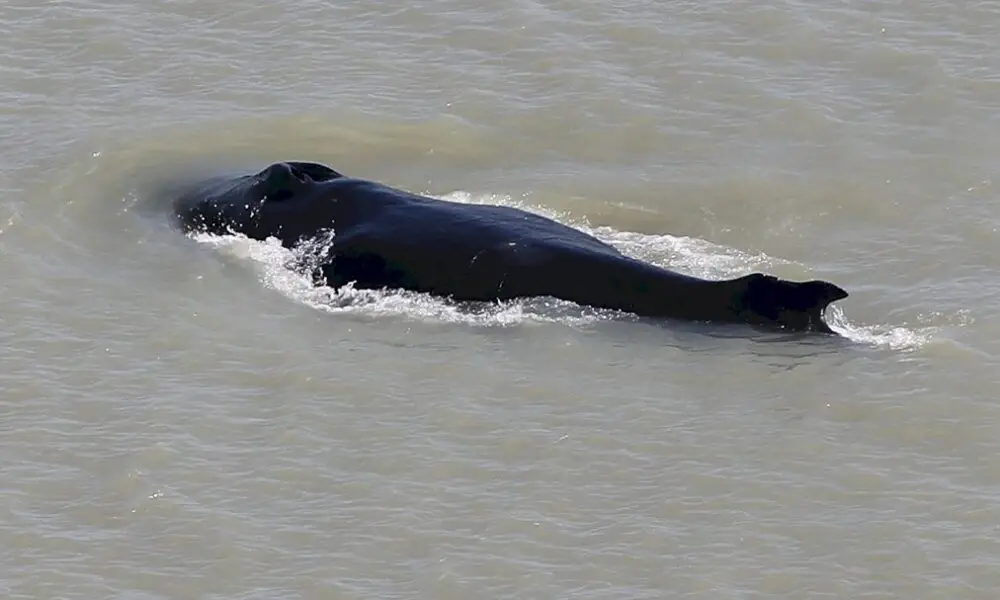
884,336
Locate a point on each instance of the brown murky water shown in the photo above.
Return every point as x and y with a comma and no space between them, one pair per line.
187,419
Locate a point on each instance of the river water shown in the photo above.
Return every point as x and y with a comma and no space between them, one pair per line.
186,418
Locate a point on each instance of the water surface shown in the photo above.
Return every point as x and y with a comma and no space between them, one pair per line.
186,418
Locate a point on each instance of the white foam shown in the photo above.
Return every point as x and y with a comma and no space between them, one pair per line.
885,336
273,264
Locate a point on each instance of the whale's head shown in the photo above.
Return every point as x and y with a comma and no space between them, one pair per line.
286,200
796,306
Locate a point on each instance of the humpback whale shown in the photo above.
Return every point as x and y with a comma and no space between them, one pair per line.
385,237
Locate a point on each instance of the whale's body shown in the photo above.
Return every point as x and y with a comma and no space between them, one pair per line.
389,238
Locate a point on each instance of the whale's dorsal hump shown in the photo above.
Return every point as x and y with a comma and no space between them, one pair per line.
315,171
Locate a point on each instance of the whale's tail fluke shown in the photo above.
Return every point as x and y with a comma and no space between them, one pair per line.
798,306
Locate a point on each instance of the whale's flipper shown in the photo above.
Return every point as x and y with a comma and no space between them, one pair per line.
766,299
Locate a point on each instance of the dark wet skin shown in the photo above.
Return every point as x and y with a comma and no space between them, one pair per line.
389,238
